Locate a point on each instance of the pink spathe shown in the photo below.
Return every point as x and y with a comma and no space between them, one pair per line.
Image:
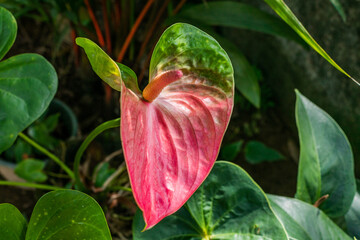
171,143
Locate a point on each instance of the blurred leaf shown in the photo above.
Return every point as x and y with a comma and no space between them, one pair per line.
18,151
326,160
228,205
304,221
246,80
257,152
8,31
339,8
104,172
288,16
12,223
238,15
41,130
352,217
230,151
31,170
67,214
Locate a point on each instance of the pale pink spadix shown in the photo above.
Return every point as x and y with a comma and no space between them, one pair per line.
171,143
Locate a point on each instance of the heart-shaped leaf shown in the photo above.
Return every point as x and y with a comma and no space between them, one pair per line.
28,82
31,170
171,134
228,205
8,29
326,160
304,221
12,223
67,214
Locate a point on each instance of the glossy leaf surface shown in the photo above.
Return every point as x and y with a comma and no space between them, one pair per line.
171,142
257,152
8,29
31,170
288,16
238,15
12,223
304,221
228,205
67,214
326,160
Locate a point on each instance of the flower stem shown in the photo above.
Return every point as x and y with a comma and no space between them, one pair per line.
30,185
49,154
99,129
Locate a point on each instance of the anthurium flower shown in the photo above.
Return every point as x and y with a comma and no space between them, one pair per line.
172,131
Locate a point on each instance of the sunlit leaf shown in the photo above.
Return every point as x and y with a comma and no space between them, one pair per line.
326,160
12,223
171,133
228,205
304,221
288,16
67,214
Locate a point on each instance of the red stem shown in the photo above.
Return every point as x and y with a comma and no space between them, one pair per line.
96,25
133,30
151,30
75,47
107,27
178,7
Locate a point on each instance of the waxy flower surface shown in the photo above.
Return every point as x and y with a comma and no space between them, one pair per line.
172,131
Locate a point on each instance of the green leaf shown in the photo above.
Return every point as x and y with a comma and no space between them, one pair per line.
28,83
12,222
288,16
8,30
228,205
67,214
103,173
326,160
257,152
230,151
246,80
238,15
31,170
339,8
194,52
352,217
108,70
304,221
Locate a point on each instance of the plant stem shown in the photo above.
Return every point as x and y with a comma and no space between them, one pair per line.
99,129
133,30
49,154
30,185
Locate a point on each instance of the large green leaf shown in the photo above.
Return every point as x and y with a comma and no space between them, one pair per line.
228,205
326,160
28,83
12,223
304,221
288,16
238,15
352,217
67,214
8,29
